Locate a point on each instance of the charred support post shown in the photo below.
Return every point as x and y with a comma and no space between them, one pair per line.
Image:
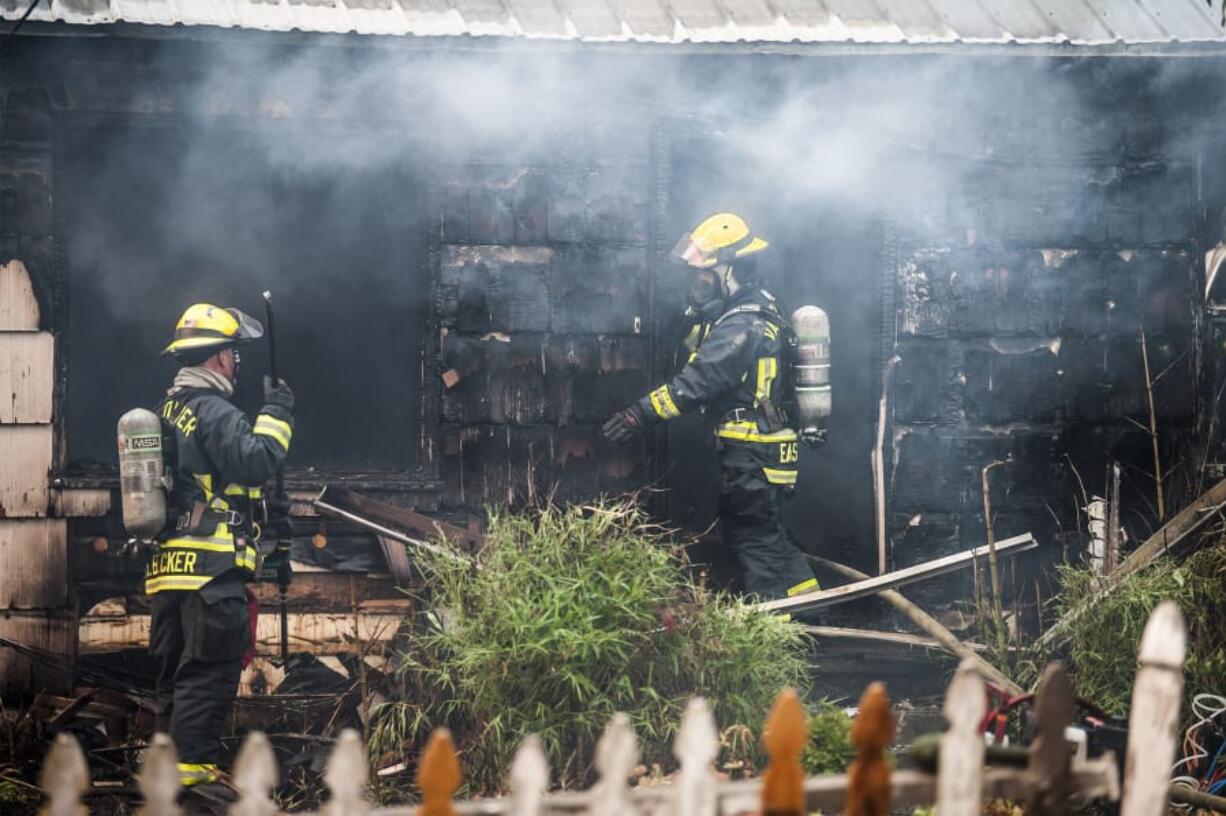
878,463
998,619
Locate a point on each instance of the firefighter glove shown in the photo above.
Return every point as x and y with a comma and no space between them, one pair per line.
278,394
626,424
279,523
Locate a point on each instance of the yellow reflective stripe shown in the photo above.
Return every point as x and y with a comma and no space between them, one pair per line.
253,493
693,337
768,367
245,558
214,544
748,432
165,582
279,430
192,774
205,480
663,403
784,477
803,586
772,331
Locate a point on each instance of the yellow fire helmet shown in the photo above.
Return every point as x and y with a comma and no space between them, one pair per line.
719,239
205,326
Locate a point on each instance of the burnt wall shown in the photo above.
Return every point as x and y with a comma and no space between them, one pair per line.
1019,342
544,316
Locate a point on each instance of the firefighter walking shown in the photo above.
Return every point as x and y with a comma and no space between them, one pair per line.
736,333
197,575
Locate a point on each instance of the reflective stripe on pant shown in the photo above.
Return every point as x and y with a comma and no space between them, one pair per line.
196,773
199,648
751,519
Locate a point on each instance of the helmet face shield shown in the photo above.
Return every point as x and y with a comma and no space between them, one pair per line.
248,327
688,251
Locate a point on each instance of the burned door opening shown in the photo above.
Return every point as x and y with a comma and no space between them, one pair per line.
156,216
822,253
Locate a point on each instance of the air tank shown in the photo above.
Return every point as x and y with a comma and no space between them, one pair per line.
811,366
141,472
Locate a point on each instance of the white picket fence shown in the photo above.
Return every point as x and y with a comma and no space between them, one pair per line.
1053,777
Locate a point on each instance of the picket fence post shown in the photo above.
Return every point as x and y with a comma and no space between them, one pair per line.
960,762
159,778
64,777
1154,720
346,776
438,775
529,778
255,776
696,747
785,738
1050,764
868,776
617,752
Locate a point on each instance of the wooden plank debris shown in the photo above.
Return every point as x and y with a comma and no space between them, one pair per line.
318,633
410,520
391,521
929,624
874,636
897,578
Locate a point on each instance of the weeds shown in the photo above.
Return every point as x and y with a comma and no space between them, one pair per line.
1104,640
571,615
830,750
22,745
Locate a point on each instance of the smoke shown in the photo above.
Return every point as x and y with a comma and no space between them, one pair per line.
308,169
881,135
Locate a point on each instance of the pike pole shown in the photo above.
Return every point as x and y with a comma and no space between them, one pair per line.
282,547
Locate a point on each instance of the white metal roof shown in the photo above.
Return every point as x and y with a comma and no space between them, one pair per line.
1053,22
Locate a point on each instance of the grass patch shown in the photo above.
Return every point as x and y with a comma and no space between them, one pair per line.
830,750
575,614
22,746
1105,639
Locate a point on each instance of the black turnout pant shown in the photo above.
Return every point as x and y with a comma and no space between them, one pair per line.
751,519
198,640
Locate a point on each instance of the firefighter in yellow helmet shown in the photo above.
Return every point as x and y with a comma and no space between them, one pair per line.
735,374
196,577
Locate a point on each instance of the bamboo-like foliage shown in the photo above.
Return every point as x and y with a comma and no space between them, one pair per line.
575,614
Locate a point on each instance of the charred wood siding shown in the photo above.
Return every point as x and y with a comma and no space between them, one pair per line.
1019,338
542,308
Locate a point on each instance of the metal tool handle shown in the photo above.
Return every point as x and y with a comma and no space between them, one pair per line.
284,575
272,342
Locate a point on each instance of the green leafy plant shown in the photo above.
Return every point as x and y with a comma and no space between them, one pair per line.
1105,638
830,750
568,616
